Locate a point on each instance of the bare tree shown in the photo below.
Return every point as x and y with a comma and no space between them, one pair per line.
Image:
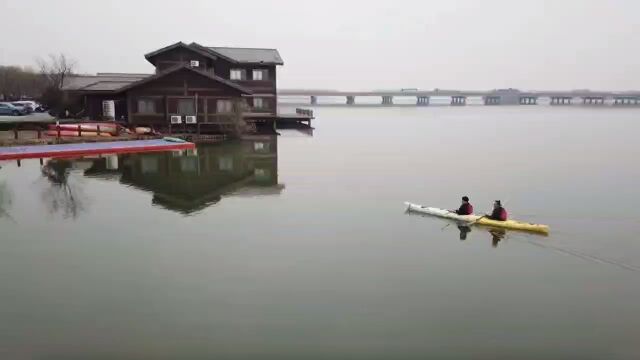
237,118
56,69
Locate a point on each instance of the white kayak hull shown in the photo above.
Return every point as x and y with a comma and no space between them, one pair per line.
440,213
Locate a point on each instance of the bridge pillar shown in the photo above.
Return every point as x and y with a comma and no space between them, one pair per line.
422,100
626,100
313,100
593,100
387,100
528,100
492,100
351,100
560,100
458,100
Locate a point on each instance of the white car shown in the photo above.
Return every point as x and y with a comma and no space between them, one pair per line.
30,103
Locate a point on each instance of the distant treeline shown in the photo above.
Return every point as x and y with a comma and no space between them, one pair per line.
44,84
21,82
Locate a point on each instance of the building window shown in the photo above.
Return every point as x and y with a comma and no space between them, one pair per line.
260,74
224,106
225,163
186,107
238,74
146,106
259,103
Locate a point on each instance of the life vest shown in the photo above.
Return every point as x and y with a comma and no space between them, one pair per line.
502,214
466,209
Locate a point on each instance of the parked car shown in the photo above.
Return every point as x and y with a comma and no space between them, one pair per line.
9,109
30,103
27,109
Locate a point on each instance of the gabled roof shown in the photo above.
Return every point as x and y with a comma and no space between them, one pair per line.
193,47
179,67
231,54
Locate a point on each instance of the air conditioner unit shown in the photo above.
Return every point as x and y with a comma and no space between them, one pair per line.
191,119
194,63
176,119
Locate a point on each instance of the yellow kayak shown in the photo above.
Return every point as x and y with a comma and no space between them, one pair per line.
480,220
515,225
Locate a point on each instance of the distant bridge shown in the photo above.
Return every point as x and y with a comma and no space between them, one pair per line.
491,97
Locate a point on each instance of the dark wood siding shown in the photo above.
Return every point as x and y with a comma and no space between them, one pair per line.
166,93
177,56
93,106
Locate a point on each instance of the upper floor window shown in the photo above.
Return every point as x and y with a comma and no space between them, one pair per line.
260,74
258,103
238,74
224,106
146,106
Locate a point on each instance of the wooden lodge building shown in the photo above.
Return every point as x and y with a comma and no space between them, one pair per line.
192,85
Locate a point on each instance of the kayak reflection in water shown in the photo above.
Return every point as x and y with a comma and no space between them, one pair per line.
464,230
466,208
499,213
497,235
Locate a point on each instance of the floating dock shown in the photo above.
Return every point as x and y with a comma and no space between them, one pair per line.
81,149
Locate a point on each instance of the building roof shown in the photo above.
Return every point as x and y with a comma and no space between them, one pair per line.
231,54
250,55
100,82
179,67
117,82
106,86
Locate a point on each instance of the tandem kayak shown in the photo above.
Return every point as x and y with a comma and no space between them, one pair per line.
480,220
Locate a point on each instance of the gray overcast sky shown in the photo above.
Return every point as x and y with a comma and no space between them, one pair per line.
469,44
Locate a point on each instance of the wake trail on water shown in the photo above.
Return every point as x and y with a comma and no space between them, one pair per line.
580,255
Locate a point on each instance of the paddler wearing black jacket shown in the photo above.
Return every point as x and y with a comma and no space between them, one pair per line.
466,208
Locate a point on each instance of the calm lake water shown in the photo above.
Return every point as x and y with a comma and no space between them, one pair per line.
298,246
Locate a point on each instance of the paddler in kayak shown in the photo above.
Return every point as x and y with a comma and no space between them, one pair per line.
499,213
466,208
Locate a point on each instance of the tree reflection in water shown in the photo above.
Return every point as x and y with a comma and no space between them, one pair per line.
5,201
64,195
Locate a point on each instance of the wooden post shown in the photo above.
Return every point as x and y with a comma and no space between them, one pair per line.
98,130
129,108
39,133
79,130
206,110
15,132
58,130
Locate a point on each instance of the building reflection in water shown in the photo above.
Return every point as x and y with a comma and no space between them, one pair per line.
191,180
